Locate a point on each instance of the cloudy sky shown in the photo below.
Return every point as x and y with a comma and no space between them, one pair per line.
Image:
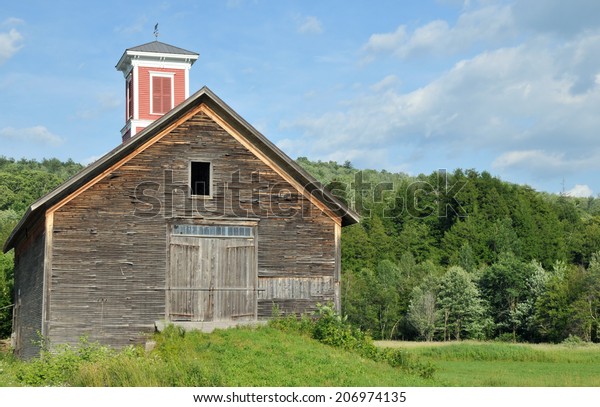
511,87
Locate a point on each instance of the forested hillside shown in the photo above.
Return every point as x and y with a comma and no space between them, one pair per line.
440,256
21,183
466,255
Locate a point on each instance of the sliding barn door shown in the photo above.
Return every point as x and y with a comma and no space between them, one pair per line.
212,278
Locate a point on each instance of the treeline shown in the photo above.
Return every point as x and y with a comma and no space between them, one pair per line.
466,255
441,256
21,183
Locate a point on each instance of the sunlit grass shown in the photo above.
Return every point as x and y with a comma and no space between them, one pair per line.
505,364
235,357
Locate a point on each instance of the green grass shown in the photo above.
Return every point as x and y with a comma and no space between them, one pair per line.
268,356
236,357
8,368
508,365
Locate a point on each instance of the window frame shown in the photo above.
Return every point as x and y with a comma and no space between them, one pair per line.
213,231
210,179
129,96
169,75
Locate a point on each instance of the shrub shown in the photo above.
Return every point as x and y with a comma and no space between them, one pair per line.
291,323
573,341
330,328
57,367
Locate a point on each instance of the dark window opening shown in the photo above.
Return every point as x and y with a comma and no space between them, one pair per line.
200,178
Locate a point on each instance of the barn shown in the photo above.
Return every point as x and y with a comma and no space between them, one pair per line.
196,218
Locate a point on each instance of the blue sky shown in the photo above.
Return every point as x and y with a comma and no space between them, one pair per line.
511,87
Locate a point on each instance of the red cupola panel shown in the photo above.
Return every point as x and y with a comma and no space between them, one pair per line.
160,90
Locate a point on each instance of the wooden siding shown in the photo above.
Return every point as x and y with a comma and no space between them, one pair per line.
29,293
211,279
111,246
144,90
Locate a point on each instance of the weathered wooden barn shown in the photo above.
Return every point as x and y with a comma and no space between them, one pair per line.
196,218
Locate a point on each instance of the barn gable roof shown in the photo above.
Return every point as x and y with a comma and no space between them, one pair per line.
311,187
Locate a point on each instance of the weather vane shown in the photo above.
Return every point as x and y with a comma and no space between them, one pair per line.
156,32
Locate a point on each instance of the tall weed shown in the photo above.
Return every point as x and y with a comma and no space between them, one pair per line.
59,366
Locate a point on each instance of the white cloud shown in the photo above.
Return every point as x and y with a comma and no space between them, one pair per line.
12,21
36,134
387,42
490,24
565,18
580,191
10,43
386,83
530,107
538,160
310,25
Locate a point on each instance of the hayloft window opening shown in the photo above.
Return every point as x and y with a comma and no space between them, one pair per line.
200,178
213,231
162,93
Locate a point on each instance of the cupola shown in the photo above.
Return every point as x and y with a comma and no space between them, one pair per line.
156,80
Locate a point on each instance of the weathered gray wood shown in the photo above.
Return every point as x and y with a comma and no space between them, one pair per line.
29,292
212,279
110,266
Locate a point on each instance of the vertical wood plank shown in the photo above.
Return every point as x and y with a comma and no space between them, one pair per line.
47,272
338,268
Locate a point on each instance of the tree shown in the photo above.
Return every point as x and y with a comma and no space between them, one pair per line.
552,307
372,299
356,301
416,238
466,258
379,237
504,286
585,314
460,307
357,250
523,316
6,294
503,238
422,310
385,296
21,183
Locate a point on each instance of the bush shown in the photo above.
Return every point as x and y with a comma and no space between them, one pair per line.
57,368
330,328
573,341
290,323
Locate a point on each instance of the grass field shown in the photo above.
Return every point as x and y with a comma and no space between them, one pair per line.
508,365
236,357
270,357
